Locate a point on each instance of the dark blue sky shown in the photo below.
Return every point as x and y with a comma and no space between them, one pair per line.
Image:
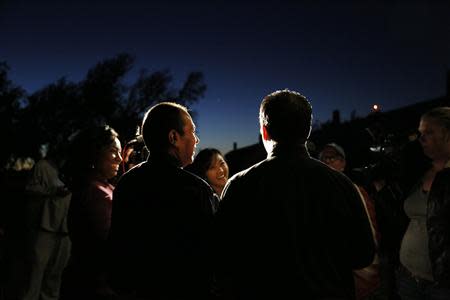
342,55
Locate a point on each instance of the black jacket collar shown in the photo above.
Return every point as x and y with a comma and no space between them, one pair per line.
164,159
282,150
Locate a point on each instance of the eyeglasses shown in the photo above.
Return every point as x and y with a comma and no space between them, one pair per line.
330,158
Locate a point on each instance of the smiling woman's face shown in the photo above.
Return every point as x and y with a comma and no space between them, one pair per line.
217,174
109,160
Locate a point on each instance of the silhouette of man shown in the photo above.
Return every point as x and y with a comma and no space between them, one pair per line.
162,215
289,227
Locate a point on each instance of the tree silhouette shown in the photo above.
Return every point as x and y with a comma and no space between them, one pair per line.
11,97
103,89
51,114
155,87
59,109
192,90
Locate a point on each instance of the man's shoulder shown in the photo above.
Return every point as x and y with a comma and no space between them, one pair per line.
148,174
192,179
135,177
276,169
272,164
133,172
320,170
255,170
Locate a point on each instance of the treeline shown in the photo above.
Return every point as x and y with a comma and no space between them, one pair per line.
54,112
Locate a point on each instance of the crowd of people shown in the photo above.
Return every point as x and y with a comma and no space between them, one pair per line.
154,221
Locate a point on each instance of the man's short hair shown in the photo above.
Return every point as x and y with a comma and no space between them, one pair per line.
287,116
158,121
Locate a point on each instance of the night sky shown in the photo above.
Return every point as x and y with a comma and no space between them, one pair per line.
344,55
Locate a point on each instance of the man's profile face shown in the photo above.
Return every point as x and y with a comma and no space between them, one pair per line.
185,145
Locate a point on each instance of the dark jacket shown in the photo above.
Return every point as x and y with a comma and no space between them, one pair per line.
291,228
438,225
160,232
89,220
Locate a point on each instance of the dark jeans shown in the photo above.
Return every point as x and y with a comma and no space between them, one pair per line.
413,288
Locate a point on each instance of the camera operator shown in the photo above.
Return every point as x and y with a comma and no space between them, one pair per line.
397,162
134,152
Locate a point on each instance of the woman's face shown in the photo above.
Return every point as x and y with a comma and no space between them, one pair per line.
435,139
217,174
109,160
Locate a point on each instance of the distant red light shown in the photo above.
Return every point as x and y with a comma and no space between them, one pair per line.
376,107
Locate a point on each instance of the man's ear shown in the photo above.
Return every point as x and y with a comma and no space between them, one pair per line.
173,136
264,133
